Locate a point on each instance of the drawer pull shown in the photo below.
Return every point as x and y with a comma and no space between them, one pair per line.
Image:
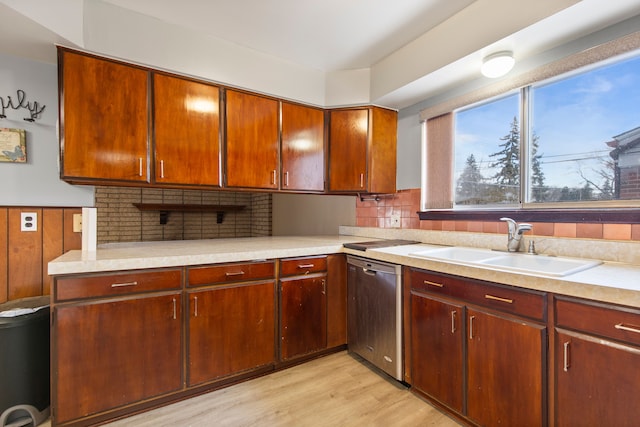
567,362
122,285
324,287
453,322
436,284
494,298
234,273
622,327
306,265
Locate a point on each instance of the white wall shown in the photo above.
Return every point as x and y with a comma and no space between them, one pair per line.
311,214
137,38
37,182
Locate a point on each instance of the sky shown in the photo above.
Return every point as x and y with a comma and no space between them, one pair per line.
573,118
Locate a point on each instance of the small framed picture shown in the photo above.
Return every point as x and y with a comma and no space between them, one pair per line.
13,145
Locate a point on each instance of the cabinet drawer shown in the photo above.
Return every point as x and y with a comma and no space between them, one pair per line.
298,266
68,288
618,323
226,273
500,297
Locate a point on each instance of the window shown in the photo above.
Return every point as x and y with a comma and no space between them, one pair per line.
574,140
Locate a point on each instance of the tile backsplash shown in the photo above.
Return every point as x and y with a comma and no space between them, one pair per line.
406,203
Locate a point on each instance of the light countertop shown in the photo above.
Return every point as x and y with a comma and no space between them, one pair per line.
609,282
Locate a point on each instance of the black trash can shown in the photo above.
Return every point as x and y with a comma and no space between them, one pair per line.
24,362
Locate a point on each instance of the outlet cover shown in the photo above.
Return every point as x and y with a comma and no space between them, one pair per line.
28,221
77,223
395,220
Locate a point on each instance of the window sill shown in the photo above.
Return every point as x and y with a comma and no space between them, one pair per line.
608,216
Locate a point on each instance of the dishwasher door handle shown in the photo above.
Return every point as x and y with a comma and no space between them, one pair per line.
369,272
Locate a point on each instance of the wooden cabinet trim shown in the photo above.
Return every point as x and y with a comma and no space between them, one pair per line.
522,302
600,319
301,266
70,288
229,273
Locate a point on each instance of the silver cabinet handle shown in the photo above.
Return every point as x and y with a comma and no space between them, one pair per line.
122,285
161,168
567,362
324,287
174,309
622,327
361,180
195,306
234,273
471,326
436,284
494,298
273,176
286,179
453,322
305,266
140,166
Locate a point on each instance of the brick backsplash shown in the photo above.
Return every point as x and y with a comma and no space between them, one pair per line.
120,221
371,213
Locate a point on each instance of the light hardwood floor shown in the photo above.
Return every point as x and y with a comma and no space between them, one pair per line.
335,390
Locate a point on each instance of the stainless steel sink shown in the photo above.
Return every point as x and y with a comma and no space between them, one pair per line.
551,266
520,262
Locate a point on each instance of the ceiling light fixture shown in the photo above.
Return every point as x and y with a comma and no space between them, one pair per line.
497,64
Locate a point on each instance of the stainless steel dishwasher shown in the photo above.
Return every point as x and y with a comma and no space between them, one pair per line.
374,313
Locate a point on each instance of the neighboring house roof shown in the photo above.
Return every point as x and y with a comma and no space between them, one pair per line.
624,142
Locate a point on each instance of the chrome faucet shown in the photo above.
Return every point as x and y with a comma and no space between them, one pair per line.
515,234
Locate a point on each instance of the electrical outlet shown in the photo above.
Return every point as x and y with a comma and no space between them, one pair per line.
77,223
28,221
395,220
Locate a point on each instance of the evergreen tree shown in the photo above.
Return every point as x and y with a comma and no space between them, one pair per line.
538,189
469,188
508,164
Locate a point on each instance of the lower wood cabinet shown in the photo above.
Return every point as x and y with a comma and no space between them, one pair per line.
115,352
231,330
506,370
478,349
127,341
436,347
303,306
597,380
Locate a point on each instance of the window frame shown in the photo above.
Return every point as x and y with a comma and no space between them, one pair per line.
610,211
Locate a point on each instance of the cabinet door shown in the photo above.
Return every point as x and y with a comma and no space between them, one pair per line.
109,354
231,329
336,300
103,119
186,131
302,148
252,149
348,136
437,338
597,381
303,327
506,364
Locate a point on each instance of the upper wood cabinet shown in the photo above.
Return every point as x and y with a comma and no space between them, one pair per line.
252,149
186,131
362,150
302,155
103,119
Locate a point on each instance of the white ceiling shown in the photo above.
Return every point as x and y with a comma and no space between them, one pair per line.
328,35
334,35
